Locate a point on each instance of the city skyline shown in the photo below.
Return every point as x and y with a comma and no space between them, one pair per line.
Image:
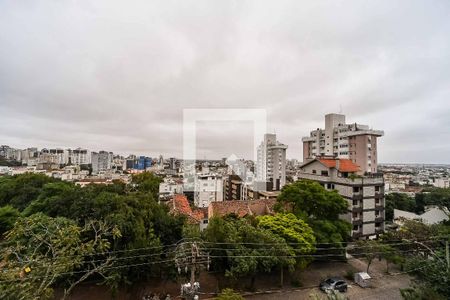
121,80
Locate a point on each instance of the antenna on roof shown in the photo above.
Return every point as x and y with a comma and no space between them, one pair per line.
340,108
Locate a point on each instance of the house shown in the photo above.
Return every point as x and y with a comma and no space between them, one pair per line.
241,208
432,215
179,205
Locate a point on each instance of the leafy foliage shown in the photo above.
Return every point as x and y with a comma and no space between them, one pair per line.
229,294
294,231
18,191
247,250
42,250
319,207
133,209
398,201
431,273
310,198
8,216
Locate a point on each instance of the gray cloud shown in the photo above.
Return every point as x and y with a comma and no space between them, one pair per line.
106,75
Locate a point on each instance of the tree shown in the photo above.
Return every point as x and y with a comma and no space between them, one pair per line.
431,273
421,292
398,201
246,250
310,198
319,207
432,196
147,182
368,250
43,250
8,216
20,190
296,232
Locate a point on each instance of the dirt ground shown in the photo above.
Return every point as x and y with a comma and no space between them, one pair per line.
384,286
299,285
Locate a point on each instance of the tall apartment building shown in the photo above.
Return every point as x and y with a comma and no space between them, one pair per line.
364,193
271,162
208,188
79,156
62,156
348,141
101,161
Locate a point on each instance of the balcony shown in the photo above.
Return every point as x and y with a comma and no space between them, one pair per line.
357,221
356,234
341,180
379,219
357,196
357,208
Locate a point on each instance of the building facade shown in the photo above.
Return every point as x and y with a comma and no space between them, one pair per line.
348,141
271,162
208,188
364,193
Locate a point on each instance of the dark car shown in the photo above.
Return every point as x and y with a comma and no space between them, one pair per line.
333,284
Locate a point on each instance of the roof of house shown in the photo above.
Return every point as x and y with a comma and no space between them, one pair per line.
179,204
345,165
242,208
432,215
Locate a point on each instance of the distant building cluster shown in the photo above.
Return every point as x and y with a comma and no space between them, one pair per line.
340,157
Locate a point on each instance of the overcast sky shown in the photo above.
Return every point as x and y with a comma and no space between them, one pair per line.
116,75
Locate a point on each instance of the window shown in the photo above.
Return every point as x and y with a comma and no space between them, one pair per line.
314,171
377,188
324,173
356,189
355,202
205,221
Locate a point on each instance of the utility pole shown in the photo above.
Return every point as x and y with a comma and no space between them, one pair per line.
194,251
447,255
189,255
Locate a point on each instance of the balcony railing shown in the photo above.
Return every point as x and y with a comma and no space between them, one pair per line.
343,180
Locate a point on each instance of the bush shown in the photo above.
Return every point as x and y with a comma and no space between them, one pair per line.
229,294
350,275
296,283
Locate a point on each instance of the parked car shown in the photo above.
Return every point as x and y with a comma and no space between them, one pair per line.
333,284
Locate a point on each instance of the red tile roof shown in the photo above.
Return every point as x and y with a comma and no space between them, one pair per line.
241,208
180,205
345,165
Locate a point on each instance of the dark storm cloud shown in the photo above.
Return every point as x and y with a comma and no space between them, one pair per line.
116,76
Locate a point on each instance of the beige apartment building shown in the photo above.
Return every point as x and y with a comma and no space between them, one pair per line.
271,162
364,193
348,141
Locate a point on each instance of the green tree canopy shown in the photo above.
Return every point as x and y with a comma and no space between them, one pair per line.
310,198
398,201
41,250
241,249
8,216
296,232
319,207
20,190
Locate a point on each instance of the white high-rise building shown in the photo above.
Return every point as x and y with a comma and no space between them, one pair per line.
208,188
271,162
79,156
101,161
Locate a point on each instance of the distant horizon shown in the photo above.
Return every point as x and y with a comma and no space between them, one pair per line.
165,156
